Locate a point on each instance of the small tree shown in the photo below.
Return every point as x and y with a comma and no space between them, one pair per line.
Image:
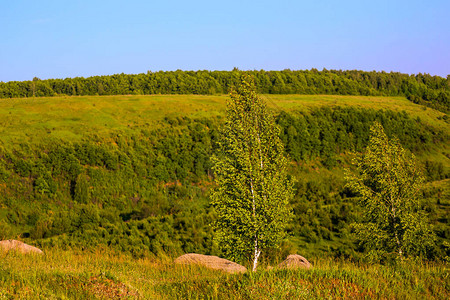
253,192
388,181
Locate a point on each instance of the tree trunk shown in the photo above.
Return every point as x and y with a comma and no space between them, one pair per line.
400,252
256,255
399,245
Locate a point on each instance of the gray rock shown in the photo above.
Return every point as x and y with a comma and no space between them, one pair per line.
211,262
294,261
13,245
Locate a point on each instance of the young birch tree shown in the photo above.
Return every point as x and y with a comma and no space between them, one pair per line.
388,181
253,192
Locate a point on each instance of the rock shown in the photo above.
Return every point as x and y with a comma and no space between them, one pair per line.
8,245
294,261
212,262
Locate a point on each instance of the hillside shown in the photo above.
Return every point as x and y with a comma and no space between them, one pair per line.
71,118
133,172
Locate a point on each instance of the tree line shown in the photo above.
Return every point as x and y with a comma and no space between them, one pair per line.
433,91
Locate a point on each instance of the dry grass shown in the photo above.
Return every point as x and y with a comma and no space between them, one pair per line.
102,274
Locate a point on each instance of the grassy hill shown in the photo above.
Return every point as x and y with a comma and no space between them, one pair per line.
131,174
52,146
71,118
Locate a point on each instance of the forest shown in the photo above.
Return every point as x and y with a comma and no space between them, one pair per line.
432,91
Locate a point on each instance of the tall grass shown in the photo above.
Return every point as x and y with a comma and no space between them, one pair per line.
103,274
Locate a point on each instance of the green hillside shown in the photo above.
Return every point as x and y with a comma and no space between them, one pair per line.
72,118
133,172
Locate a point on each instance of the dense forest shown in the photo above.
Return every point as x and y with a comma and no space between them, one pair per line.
433,91
146,192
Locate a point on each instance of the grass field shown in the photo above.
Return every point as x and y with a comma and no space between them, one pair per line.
71,118
105,275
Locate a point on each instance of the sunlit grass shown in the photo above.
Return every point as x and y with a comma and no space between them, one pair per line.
397,104
107,275
72,118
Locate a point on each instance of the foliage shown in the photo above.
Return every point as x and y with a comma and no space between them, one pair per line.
140,166
388,180
5,230
253,192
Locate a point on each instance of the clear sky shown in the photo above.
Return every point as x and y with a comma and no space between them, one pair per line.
59,39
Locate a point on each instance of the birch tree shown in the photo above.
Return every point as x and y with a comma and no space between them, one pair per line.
388,181
253,191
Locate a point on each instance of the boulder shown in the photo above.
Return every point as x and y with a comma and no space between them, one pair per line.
8,245
211,262
294,261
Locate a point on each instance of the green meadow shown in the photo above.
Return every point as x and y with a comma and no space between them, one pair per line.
71,118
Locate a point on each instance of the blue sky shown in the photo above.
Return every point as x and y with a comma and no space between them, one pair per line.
59,39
